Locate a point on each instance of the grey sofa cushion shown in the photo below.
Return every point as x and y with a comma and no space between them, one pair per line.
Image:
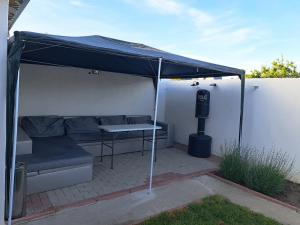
139,119
148,134
81,125
112,120
86,137
43,126
53,153
159,133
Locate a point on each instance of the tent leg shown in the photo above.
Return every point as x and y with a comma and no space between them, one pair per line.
241,109
13,163
154,130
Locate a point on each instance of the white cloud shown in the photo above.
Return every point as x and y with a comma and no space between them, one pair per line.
77,3
166,6
223,28
200,18
229,37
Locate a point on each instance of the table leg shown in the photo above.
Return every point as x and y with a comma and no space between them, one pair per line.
155,149
101,158
112,152
143,143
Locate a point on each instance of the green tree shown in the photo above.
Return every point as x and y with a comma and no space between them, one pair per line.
280,68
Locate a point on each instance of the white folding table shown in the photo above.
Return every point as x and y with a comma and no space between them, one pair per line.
114,130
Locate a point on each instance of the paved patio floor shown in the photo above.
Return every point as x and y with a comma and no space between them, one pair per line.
138,206
131,170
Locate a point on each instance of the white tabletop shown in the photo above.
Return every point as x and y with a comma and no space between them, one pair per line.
128,127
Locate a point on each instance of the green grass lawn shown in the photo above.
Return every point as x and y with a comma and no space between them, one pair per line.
214,210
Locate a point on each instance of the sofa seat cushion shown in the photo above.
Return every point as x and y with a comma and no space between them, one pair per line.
43,126
81,125
159,133
139,119
53,153
119,136
139,134
112,120
148,133
96,137
86,137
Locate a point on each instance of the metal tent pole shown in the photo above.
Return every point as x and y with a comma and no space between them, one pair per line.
13,160
241,109
154,130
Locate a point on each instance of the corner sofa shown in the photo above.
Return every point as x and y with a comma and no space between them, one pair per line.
58,151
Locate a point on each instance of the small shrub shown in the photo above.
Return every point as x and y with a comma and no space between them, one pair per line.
268,172
234,165
262,171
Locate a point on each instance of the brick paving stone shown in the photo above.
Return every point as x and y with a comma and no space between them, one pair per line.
131,170
45,201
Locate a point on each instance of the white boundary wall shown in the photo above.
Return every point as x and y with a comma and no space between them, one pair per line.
3,63
271,118
47,90
180,100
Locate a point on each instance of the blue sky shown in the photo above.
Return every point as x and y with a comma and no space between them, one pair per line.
244,34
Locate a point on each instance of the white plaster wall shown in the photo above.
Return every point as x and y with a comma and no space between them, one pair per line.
46,90
180,110
271,119
273,116
3,63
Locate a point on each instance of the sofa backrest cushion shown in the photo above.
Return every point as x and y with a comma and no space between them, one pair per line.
139,119
43,126
81,124
112,120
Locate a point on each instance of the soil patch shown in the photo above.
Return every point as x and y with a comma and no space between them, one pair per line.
291,194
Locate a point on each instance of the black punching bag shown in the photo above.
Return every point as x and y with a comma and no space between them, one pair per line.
199,143
202,104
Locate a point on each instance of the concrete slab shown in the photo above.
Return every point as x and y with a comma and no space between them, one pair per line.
140,205
130,208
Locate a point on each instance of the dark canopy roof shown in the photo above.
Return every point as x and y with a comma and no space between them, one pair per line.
107,54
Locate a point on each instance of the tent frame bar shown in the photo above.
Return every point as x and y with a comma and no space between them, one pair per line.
153,150
242,100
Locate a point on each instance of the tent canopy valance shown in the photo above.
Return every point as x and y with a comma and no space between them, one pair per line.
107,54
